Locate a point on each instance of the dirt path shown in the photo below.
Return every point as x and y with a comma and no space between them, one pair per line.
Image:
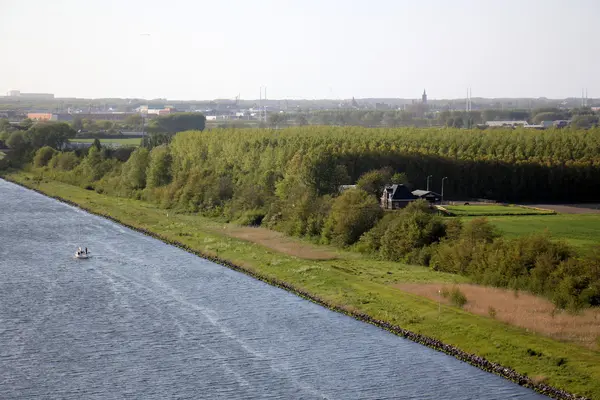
279,242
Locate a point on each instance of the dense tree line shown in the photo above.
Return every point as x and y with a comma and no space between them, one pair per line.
290,180
417,115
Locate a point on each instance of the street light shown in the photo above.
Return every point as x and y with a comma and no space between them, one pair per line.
430,176
443,179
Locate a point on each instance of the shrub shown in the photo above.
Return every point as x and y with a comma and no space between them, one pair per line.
479,230
252,218
455,296
64,161
533,353
352,214
43,156
561,361
414,228
370,241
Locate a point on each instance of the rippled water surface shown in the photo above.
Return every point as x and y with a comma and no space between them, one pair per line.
144,320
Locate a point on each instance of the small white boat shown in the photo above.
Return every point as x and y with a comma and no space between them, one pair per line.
82,254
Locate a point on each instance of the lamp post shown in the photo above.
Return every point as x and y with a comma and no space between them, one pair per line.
430,176
443,179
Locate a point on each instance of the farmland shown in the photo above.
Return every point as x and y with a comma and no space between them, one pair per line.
484,210
580,230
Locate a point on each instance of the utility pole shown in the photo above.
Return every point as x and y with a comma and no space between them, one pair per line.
443,179
430,176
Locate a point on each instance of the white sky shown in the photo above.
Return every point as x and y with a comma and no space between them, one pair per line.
310,49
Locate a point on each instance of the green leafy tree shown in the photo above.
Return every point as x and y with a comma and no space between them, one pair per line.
400,178
374,181
77,124
134,121
159,167
16,141
156,139
27,123
414,227
301,119
65,161
353,213
134,170
584,121
43,156
178,122
53,134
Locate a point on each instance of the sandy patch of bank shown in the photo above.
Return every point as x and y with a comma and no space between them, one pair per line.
520,309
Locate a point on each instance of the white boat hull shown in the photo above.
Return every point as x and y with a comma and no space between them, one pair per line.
81,256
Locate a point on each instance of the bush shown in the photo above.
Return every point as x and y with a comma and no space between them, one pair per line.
455,296
43,156
64,161
251,218
479,230
370,241
414,227
352,214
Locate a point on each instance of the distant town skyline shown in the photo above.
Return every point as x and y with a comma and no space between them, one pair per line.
38,95
331,49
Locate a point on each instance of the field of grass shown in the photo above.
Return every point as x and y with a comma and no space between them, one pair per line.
355,282
580,230
122,142
484,210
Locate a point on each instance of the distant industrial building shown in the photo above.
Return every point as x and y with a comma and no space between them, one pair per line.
39,116
506,123
155,110
33,96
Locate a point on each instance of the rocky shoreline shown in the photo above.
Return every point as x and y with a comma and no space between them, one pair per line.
435,344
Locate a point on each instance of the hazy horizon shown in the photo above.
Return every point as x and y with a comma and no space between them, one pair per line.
309,50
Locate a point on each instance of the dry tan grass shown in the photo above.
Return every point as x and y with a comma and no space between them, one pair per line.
522,309
279,242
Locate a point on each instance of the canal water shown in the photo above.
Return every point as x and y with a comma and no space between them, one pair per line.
145,320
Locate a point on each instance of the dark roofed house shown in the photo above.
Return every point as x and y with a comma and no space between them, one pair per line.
428,195
396,196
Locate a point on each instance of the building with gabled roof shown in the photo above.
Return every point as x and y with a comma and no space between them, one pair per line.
396,196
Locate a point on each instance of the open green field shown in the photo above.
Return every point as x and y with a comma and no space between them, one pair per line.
355,282
484,210
122,142
579,230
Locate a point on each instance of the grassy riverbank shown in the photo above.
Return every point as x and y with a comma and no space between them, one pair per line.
354,282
